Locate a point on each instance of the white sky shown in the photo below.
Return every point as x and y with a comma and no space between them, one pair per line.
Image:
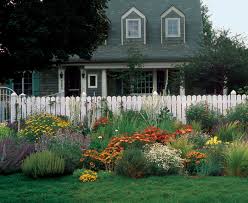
229,14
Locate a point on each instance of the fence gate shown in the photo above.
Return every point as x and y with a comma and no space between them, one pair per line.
5,96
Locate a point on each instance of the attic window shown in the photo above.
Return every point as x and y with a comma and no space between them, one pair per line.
172,26
133,28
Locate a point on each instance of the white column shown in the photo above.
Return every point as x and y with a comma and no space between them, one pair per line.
166,81
155,80
61,79
83,81
13,107
182,86
104,83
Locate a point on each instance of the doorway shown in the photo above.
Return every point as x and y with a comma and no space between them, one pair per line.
72,82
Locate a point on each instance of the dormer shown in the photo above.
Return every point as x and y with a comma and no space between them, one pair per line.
133,27
173,27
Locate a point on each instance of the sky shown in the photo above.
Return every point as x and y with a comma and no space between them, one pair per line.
229,14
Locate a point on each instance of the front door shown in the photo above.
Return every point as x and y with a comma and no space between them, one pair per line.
72,82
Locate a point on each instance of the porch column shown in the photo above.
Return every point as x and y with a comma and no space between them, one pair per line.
182,87
166,81
155,80
61,79
104,84
83,81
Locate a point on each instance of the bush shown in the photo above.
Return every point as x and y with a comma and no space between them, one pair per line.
236,157
163,159
133,164
239,113
229,132
68,144
202,114
198,139
183,145
5,131
42,124
194,162
12,153
215,160
43,164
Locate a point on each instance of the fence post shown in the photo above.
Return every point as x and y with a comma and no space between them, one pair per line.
13,109
233,98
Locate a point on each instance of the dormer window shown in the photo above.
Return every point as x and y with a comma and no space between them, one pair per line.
172,27
133,28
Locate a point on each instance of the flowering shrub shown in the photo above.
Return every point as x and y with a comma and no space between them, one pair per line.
117,145
213,141
101,122
88,176
43,124
194,160
165,159
5,131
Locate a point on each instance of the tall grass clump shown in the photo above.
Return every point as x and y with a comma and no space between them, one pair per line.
238,113
236,158
43,164
202,114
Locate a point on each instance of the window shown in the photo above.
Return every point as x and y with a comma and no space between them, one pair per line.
144,84
133,28
92,81
23,83
172,27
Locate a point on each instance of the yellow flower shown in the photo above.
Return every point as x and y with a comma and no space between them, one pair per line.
213,141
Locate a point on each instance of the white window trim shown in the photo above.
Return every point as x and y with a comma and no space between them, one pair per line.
96,76
167,35
139,22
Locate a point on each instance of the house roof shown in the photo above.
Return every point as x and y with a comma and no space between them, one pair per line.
153,50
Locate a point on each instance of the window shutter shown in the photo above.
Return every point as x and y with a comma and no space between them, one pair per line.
36,83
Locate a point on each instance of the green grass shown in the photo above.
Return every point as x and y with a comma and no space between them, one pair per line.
18,188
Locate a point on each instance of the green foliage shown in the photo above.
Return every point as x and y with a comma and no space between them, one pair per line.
196,126
77,173
236,158
182,144
28,30
5,131
230,132
215,161
238,113
133,164
242,91
43,164
198,139
202,114
68,149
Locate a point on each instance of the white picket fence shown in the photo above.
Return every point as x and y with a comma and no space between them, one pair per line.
80,108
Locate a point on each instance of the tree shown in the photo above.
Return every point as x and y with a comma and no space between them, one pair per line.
222,62
35,32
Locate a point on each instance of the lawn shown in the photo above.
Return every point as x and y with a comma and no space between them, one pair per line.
18,188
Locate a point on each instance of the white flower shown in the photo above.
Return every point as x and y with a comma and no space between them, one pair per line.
100,137
116,130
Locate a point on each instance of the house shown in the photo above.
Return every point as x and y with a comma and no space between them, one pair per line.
164,32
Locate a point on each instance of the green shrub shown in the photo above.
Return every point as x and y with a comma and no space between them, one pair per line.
133,164
162,159
215,161
230,132
67,144
236,157
5,131
202,114
43,164
238,113
183,145
198,139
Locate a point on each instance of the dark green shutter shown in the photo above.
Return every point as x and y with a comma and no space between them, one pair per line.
10,84
36,83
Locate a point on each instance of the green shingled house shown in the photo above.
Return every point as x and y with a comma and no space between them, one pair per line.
167,32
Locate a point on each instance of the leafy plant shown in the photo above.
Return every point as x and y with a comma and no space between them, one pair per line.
69,150
183,145
42,124
163,159
236,157
43,164
5,131
194,162
132,164
12,153
230,132
238,113
202,114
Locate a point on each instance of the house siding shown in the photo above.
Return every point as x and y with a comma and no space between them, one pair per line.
95,91
49,82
